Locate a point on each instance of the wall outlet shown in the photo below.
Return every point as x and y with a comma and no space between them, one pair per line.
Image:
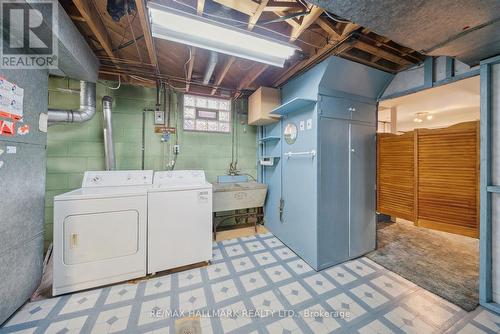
176,149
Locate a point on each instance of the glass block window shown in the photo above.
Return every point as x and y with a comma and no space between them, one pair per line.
206,114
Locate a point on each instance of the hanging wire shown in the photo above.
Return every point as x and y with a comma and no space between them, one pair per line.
119,83
114,88
336,19
133,35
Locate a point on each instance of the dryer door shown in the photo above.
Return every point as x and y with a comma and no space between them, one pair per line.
88,237
98,241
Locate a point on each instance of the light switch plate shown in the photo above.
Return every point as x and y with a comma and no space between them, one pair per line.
309,124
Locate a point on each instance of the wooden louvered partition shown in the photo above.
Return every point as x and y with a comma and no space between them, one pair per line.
395,176
431,177
448,178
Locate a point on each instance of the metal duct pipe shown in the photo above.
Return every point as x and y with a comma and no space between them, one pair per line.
212,61
109,147
84,113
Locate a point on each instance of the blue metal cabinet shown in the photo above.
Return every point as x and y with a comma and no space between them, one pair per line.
338,107
322,202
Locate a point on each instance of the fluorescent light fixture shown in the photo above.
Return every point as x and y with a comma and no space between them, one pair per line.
178,26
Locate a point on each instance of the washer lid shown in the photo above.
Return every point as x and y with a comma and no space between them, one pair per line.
180,179
103,192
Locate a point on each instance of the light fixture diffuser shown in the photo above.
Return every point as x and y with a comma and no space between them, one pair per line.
178,26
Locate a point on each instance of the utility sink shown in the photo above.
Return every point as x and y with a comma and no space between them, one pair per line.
238,195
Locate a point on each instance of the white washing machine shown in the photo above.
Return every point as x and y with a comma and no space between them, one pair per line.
179,220
100,230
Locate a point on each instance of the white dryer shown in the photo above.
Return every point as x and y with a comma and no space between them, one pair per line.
100,230
179,220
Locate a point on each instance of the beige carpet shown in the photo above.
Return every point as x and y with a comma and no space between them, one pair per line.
443,263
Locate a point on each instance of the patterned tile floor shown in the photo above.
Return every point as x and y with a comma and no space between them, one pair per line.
257,273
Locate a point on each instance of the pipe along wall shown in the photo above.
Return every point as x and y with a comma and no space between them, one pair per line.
74,148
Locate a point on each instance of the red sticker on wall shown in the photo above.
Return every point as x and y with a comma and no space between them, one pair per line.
7,128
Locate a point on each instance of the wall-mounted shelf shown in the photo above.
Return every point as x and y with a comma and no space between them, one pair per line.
268,161
269,139
292,106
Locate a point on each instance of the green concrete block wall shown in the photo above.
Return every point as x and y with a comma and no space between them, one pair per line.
73,149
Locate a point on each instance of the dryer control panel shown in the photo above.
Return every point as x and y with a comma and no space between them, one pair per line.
179,178
117,178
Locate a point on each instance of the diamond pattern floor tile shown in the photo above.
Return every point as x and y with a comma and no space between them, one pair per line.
252,274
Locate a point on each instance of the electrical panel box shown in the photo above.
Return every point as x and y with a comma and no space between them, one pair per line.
159,117
260,105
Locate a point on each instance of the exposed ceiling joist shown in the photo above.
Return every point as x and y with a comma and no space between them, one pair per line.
328,27
307,20
323,52
255,17
297,30
379,52
327,49
91,16
190,65
361,60
143,17
279,9
247,7
200,6
219,76
252,75
77,18
282,4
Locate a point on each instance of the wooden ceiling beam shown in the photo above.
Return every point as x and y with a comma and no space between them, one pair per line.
307,20
328,27
190,65
148,36
252,21
77,18
279,9
292,71
200,6
379,52
297,30
345,47
252,75
349,27
366,62
255,17
290,4
90,14
219,76
247,7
